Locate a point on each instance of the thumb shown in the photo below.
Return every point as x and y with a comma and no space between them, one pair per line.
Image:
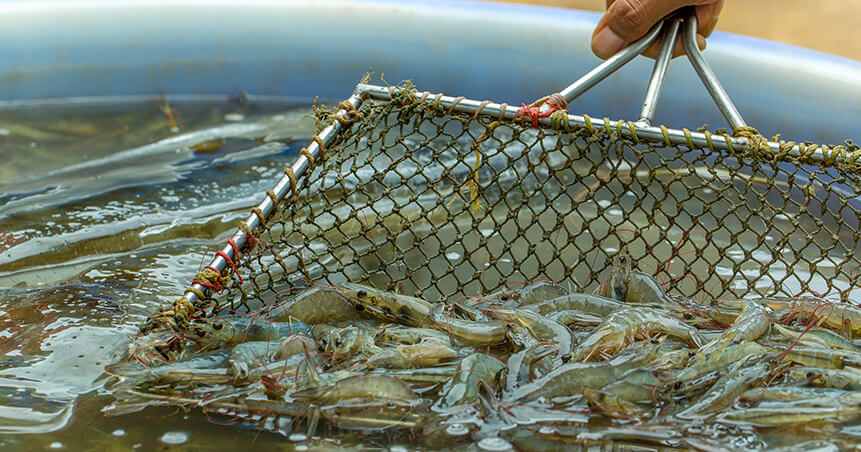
626,21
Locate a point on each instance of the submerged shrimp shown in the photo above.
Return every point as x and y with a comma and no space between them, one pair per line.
622,327
372,387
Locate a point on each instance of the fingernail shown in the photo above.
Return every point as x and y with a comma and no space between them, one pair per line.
606,43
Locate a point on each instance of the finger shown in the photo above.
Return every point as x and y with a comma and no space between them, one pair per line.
678,48
707,17
626,21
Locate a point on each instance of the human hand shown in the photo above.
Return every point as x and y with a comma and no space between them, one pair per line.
628,20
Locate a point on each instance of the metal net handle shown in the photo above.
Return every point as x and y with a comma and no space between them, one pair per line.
668,29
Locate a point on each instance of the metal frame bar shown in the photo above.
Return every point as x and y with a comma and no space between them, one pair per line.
299,167
659,73
611,65
644,133
713,86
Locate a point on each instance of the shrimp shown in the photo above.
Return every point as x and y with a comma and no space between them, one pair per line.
575,317
362,388
631,286
317,305
540,327
463,387
848,379
424,354
612,405
527,295
726,390
407,335
750,325
346,341
590,304
216,332
623,326
705,363
638,385
207,368
467,331
790,393
775,415
827,358
836,316
388,306
248,355
819,337
519,365
571,378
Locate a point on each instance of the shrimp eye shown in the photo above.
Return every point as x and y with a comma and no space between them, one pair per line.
677,385
200,332
691,354
217,326
810,374
360,307
338,343
688,316
361,294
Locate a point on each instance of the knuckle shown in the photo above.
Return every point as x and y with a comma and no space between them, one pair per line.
629,17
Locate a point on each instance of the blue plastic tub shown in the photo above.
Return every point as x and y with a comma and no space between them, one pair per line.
503,52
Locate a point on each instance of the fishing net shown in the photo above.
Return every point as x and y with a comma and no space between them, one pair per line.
441,198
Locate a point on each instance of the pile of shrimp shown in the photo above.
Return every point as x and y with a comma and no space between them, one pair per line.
527,368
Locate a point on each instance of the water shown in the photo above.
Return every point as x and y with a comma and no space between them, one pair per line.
105,213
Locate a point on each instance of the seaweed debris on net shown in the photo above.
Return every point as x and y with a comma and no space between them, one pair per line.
504,372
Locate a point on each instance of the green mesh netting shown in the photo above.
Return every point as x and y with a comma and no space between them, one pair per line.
439,206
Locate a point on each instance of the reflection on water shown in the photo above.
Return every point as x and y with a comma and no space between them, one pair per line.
104,215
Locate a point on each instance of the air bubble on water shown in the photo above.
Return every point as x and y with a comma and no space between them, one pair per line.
494,445
457,430
398,449
57,445
301,447
119,432
233,117
174,438
296,437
